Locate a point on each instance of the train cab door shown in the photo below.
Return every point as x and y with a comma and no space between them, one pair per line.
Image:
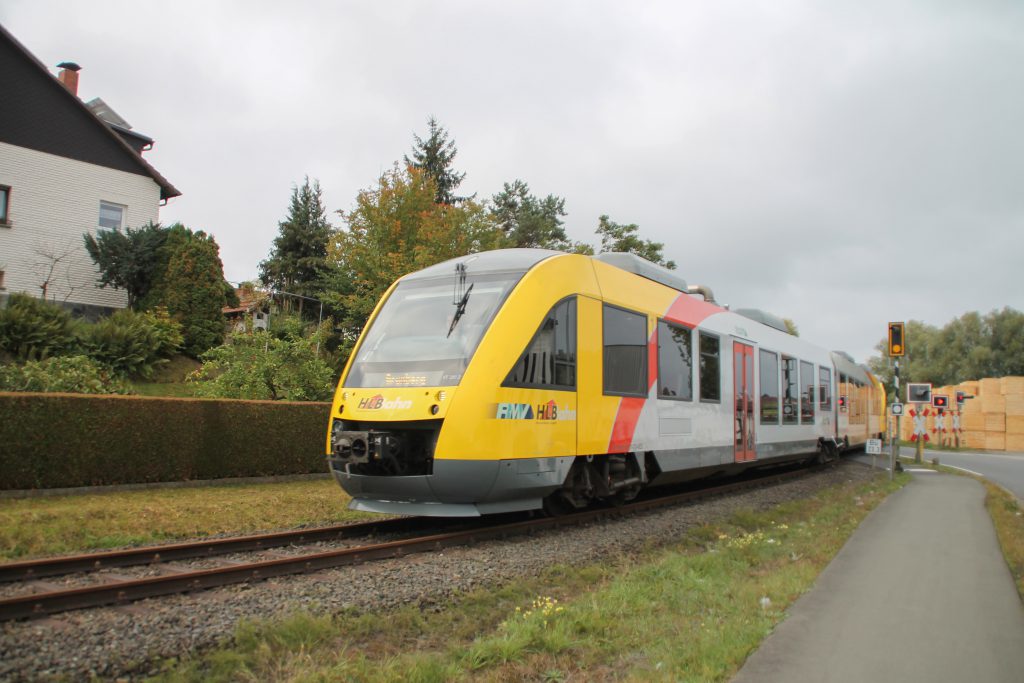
743,393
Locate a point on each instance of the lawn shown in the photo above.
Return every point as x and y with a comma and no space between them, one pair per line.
35,527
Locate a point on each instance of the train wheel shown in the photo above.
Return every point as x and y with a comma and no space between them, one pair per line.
555,505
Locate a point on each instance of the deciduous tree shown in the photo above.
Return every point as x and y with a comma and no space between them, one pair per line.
972,346
397,228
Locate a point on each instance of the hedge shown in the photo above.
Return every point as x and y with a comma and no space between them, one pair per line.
59,440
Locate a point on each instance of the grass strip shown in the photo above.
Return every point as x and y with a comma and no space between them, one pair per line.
1009,522
691,611
37,527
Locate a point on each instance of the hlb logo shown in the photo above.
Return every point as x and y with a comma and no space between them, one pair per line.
377,402
547,411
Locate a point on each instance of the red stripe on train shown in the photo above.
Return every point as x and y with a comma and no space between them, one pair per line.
684,309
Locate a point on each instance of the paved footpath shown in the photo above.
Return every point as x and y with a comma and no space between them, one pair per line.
920,592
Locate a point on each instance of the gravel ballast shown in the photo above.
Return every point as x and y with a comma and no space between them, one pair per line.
129,641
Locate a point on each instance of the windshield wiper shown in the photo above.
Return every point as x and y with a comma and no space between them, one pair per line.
459,301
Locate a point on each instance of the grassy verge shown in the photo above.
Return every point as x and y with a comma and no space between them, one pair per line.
692,611
1009,522
47,526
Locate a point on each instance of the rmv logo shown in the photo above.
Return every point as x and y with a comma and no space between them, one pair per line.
514,411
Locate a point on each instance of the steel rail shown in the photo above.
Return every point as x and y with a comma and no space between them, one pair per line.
28,570
42,604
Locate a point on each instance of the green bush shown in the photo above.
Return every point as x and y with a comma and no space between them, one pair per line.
58,440
263,367
132,343
32,329
70,374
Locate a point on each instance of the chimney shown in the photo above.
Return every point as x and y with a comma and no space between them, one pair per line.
68,76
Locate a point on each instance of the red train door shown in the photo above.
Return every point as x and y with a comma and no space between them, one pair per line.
743,391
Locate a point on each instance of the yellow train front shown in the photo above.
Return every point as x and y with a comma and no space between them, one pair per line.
523,378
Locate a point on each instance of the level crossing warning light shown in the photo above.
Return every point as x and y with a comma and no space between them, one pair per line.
919,393
897,343
940,401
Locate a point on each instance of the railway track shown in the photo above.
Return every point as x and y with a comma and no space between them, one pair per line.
55,600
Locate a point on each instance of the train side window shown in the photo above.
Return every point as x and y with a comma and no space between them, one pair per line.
807,393
675,362
710,368
825,388
769,376
790,390
550,358
625,352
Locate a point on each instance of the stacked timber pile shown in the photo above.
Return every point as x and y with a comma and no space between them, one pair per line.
992,420
1013,393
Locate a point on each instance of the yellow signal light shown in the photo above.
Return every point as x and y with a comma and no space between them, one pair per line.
897,346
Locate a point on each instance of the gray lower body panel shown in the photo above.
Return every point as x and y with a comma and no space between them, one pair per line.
685,464
459,488
470,488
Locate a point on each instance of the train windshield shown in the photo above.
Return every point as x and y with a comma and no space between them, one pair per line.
423,336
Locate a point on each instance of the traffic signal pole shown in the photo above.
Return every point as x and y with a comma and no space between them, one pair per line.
894,438
897,349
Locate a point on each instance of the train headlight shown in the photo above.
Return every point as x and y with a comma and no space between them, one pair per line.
441,395
434,408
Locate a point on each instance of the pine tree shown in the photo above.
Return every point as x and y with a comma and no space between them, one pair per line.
617,237
434,156
298,260
127,260
529,221
191,286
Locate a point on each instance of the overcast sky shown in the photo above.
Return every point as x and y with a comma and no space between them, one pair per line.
842,164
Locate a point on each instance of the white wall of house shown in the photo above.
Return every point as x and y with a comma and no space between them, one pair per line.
53,201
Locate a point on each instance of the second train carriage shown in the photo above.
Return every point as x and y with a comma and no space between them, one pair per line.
521,378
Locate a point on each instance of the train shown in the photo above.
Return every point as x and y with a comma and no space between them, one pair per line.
530,379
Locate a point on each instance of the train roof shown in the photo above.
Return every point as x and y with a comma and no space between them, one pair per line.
763,317
498,260
631,263
844,363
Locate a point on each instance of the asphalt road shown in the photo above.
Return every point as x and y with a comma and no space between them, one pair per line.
1007,470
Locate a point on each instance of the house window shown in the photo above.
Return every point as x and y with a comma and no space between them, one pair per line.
5,201
112,215
625,352
2,280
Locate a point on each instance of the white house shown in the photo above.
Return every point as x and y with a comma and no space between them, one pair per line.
65,168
